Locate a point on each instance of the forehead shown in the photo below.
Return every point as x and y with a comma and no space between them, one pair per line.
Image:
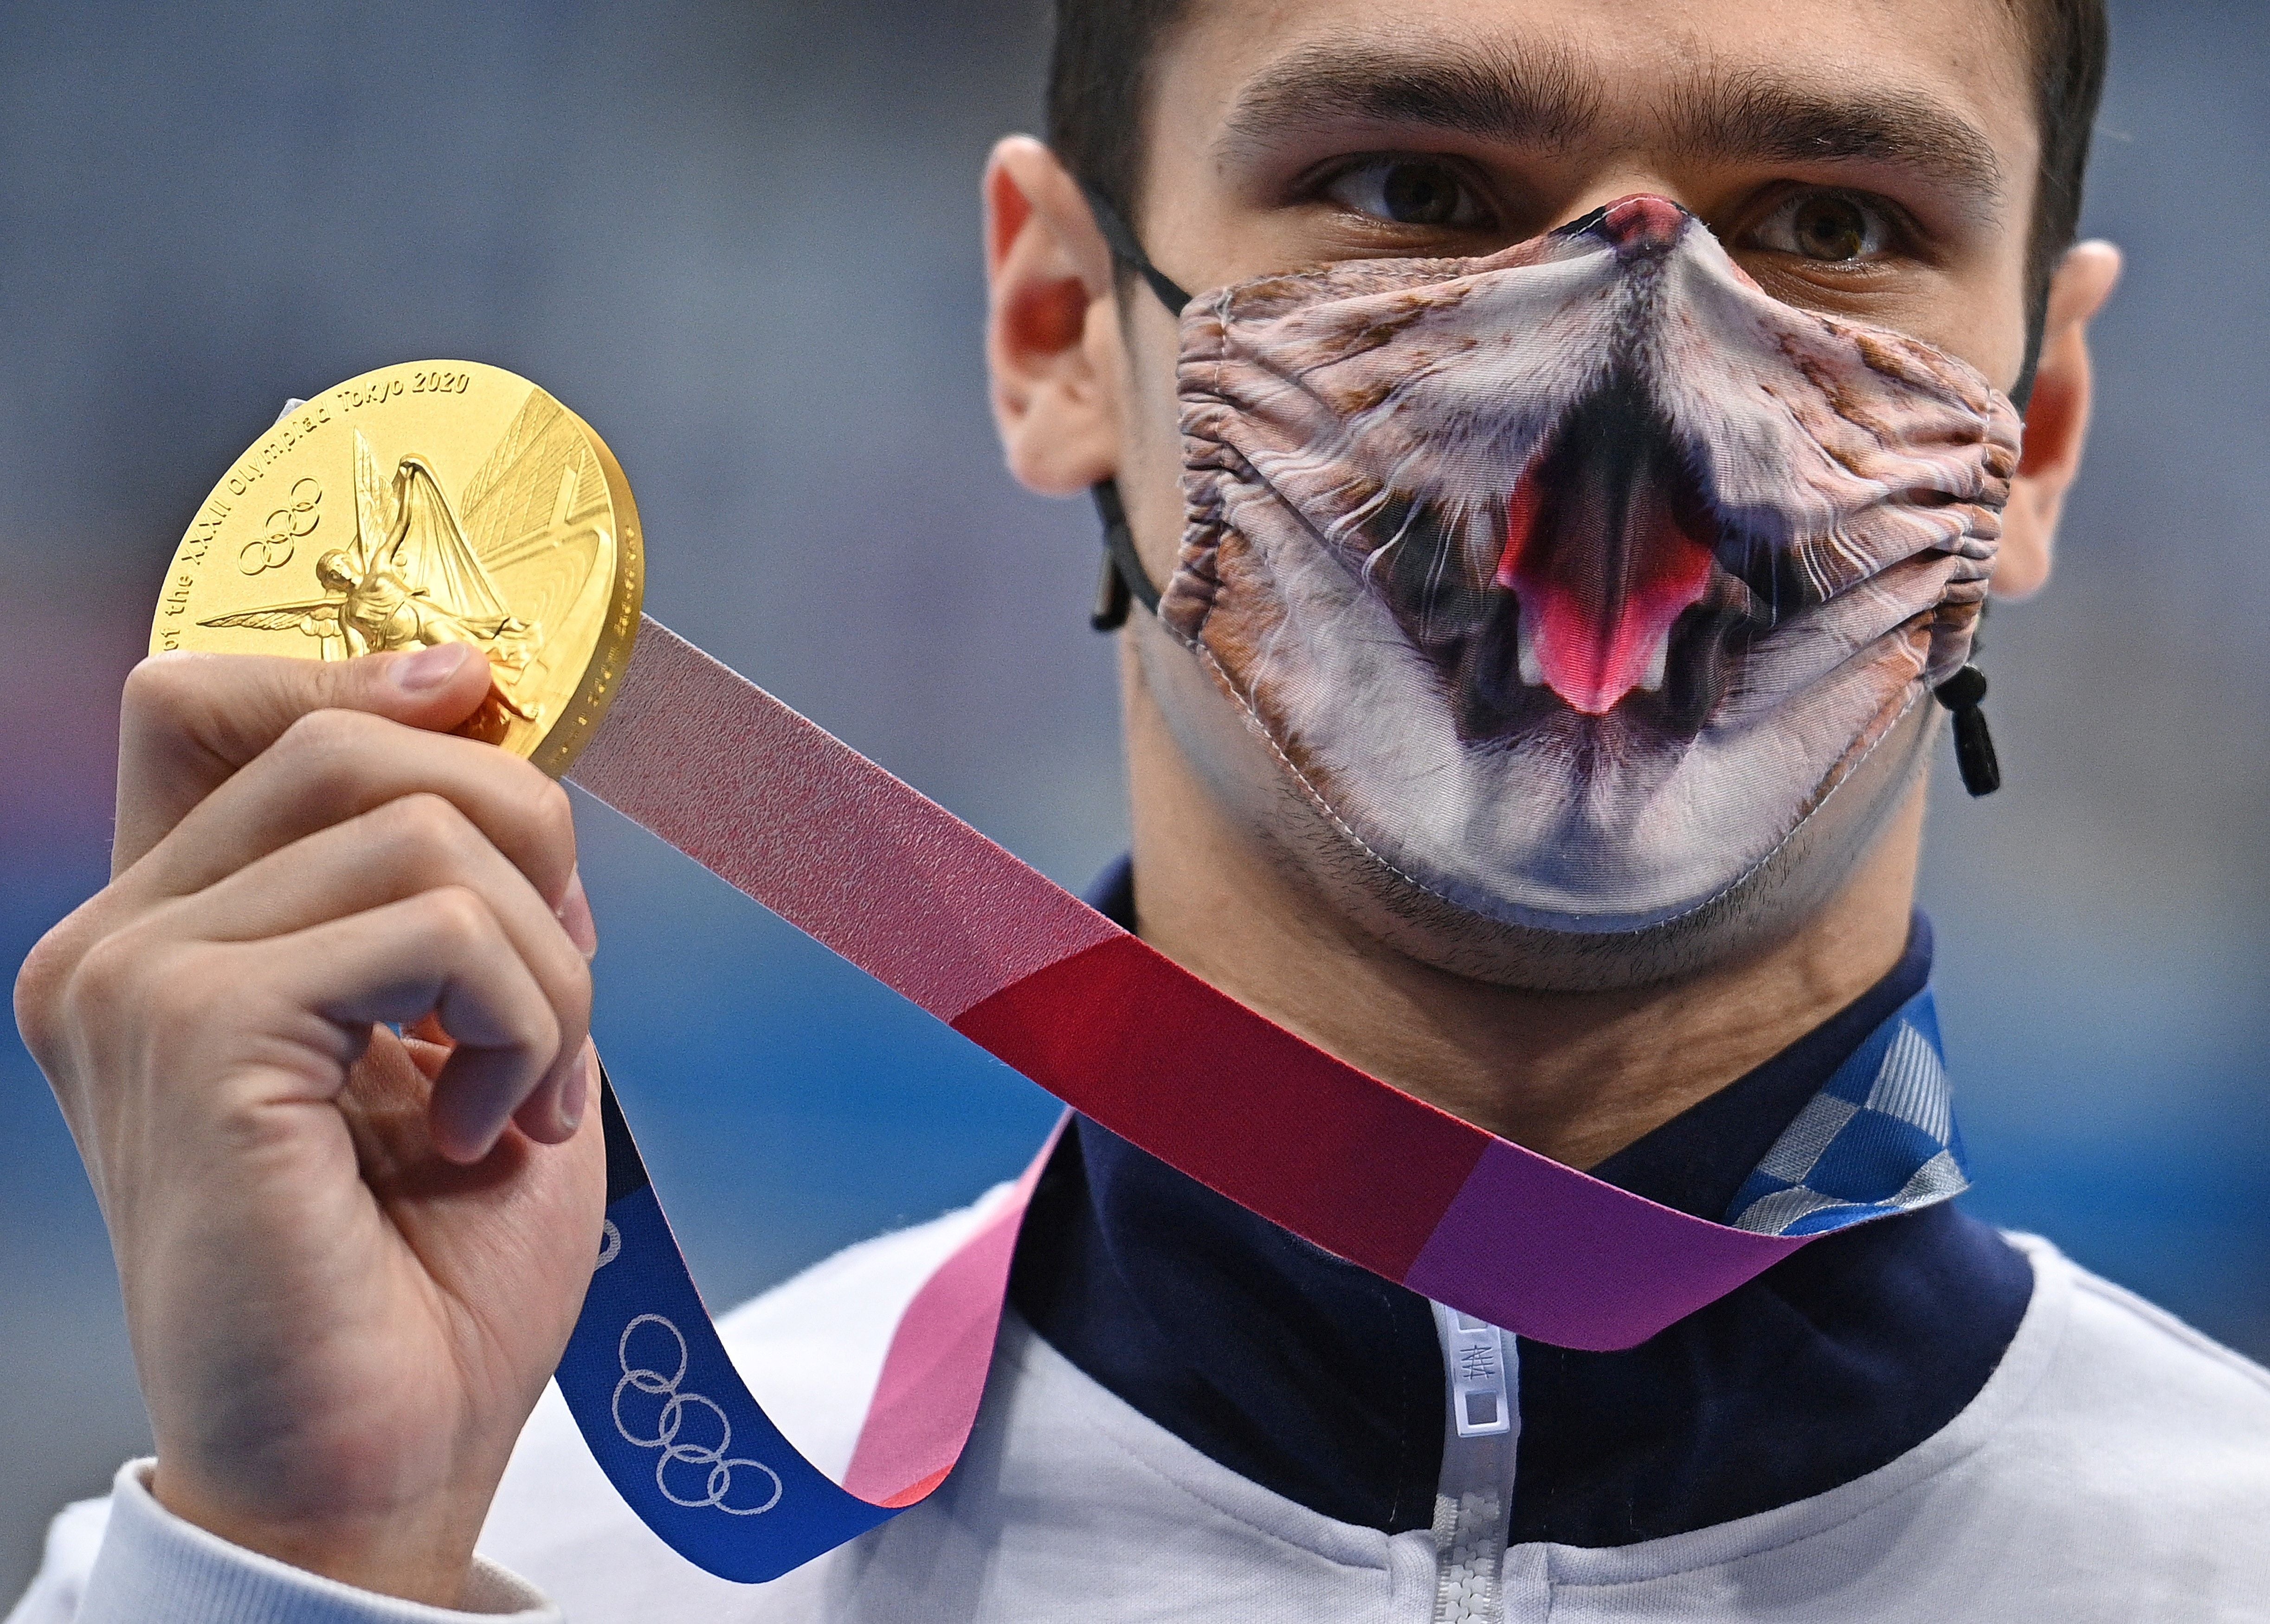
1600,78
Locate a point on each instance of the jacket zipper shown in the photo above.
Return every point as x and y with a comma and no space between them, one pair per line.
1474,1499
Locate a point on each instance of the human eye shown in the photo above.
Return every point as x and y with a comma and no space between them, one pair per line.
1396,189
1828,228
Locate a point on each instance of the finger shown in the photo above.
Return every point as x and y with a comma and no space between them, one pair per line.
441,951
419,843
333,766
402,850
551,1116
189,721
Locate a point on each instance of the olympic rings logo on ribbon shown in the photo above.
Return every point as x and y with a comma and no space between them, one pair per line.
286,527
677,1405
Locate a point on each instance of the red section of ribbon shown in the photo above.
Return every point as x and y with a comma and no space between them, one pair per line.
1159,1057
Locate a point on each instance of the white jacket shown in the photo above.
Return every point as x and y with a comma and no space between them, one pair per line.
2115,1467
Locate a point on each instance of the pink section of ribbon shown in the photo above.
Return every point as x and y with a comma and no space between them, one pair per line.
934,1375
780,809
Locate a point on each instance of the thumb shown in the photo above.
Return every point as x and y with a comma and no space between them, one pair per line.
189,720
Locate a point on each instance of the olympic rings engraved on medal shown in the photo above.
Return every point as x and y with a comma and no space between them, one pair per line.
286,527
610,1243
719,1483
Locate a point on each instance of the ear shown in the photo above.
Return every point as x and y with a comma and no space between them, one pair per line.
1051,333
2056,419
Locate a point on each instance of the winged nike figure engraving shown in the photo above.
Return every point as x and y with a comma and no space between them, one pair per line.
416,575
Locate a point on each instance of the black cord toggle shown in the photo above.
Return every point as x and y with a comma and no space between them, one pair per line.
1963,693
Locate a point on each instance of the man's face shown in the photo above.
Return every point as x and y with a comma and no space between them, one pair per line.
1867,158
1873,162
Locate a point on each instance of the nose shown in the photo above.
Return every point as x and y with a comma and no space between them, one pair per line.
1642,222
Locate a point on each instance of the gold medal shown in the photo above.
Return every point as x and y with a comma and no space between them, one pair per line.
439,501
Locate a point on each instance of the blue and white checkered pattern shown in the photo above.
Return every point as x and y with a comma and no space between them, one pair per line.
1878,1138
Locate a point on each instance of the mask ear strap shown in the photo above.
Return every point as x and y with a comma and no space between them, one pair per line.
1124,579
1119,237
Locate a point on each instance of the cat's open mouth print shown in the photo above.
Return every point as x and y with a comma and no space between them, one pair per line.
1609,555
1573,578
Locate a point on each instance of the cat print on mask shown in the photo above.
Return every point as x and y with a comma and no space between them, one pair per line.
1570,581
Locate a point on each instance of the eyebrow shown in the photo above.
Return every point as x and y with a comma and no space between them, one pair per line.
1534,97
1776,118
1541,97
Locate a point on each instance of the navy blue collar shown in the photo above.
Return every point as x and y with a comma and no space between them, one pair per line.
1324,1382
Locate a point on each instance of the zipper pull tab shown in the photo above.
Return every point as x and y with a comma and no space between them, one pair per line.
1473,1353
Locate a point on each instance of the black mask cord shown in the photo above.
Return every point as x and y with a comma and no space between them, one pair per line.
1120,238
1123,582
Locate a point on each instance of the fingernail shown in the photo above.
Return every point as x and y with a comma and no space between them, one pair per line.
574,914
429,668
574,1094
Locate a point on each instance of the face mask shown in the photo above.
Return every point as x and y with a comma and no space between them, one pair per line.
1569,582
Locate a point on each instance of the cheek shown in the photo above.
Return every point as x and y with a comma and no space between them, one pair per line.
1151,441
1152,414
1975,311
1979,317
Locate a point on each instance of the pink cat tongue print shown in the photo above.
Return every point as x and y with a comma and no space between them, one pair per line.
1570,581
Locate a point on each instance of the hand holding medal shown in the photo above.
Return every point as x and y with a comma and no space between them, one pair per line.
307,861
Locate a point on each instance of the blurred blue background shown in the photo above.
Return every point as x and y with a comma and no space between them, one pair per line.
741,238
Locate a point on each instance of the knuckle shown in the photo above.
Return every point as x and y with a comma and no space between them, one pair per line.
526,1022
543,1032
543,1024
126,977
323,738
457,915
328,752
428,823
106,972
574,994
46,971
162,688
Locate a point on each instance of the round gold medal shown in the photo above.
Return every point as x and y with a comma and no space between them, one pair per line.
438,501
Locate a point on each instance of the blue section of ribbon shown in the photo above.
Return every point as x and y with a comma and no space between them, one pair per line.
673,1427
1878,1138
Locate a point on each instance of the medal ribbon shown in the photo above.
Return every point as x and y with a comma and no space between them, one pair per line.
863,863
